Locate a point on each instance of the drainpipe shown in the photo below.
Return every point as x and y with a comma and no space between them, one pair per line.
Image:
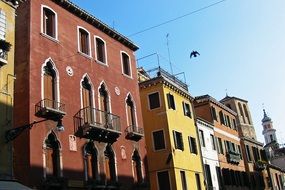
200,149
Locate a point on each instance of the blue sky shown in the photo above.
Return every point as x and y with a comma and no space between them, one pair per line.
241,42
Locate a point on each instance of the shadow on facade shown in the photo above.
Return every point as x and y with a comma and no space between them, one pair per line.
6,117
72,179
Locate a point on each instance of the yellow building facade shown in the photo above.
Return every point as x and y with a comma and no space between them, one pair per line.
174,159
7,36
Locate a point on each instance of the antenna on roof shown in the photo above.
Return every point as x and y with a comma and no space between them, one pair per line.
226,92
167,35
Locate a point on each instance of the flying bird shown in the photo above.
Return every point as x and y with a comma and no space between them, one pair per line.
194,54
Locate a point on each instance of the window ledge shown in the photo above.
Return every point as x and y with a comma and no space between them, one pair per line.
160,150
101,63
84,55
128,76
50,37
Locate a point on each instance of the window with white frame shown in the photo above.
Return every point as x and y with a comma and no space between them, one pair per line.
126,65
101,54
186,109
83,41
2,25
49,22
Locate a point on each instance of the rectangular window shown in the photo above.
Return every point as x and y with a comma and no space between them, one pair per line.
239,151
163,180
126,64
222,119
214,113
49,25
234,124
170,100
220,142
248,155
213,142
2,25
201,137
158,140
192,145
229,122
208,176
100,50
153,100
186,109
84,41
178,141
219,176
198,181
183,180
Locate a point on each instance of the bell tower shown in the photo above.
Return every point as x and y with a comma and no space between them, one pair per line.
268,132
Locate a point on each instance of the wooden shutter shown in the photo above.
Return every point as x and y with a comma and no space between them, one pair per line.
49,161
107,169
89,166
49,93
130,115
86,103
175,139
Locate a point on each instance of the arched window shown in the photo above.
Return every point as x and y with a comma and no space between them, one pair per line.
131,113
49,22
104,104
52,156
87,100
100,50
91,159
83,41
241,112
246,113
49,82
137,167
110,166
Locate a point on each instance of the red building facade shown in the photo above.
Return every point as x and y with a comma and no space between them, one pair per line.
73,70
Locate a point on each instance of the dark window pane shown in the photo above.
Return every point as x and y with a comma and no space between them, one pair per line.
178,140
170,100
198,181
183,180
158,140
163,180
49,22
154,100
186,109
100,50
126,64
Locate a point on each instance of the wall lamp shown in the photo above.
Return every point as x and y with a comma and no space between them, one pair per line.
11,134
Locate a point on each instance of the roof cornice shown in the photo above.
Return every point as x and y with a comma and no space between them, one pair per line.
168,83
87,17
208,98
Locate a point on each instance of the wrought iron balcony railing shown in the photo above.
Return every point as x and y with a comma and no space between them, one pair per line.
134,133
96,124
233,157
50,109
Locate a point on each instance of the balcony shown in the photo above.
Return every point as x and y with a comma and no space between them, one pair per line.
134,133
94,124
54,183
233,157
260,165
50,109
3,57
